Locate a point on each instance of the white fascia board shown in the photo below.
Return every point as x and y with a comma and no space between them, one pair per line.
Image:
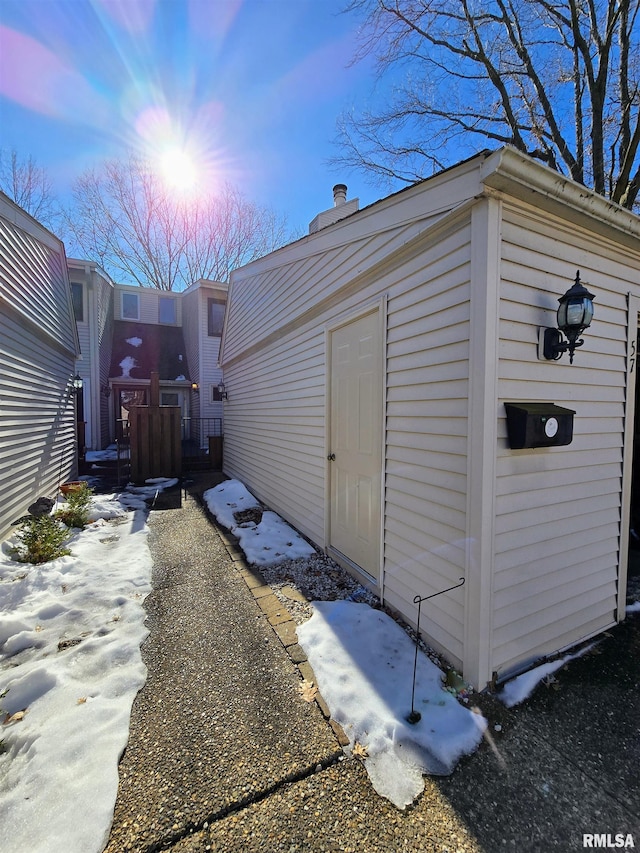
513,173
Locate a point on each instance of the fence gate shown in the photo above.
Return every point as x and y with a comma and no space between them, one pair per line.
155,433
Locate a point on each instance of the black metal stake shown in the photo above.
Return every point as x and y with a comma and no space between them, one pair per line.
415,716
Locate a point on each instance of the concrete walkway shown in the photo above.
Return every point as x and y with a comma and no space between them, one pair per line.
225,755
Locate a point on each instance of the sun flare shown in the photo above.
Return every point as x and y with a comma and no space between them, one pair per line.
178,169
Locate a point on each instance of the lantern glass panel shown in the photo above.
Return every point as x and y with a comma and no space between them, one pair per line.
575,313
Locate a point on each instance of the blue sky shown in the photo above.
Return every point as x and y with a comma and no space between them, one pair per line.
253,87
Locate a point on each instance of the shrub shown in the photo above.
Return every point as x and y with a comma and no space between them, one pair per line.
76,512
40,539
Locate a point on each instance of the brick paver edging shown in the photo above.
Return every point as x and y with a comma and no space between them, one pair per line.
280,620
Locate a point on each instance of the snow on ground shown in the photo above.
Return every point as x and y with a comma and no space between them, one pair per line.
108,455
521,687
363,662
269,541
70,667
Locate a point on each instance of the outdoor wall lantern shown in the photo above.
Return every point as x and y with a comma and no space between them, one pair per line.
106,391
574,316
222,391
195,387
76,384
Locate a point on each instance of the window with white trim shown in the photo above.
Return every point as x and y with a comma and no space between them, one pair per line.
130,306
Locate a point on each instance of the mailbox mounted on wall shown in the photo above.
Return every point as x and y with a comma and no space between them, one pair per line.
538,425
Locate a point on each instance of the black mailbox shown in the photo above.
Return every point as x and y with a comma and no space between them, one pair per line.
538,425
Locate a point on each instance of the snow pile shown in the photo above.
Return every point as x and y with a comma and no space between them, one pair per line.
70,667
363,662
269,541
134,342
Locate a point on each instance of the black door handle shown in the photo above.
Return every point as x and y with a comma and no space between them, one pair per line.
331,457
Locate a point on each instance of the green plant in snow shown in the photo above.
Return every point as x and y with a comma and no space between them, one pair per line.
41,539
76,512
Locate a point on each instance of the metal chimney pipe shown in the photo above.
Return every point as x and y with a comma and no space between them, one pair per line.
339,195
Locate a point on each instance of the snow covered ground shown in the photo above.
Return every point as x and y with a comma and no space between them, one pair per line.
363,661
270,540
70,667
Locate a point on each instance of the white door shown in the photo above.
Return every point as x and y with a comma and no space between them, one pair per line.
355,454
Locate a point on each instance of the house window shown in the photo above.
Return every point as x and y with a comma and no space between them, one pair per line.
215,313
169,398
130,306
77,297
167,310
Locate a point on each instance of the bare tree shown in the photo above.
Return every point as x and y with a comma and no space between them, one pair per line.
557,79
126,219
29,186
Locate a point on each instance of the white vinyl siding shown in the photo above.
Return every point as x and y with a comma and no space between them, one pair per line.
38,347
191,336
37,418
274,428
275,420
427,408
536,533
148,302
558,509
34,281
104,300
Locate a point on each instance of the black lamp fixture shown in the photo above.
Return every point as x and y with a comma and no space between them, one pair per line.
106,391
574,316
195,387
222,391
76,384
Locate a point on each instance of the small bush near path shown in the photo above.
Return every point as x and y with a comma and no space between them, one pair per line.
41,539
76,512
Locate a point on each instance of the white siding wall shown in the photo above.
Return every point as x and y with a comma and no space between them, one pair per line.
38,346
426,467
148,303
191,335
104,297
275,365
275,438
210,370
34,280
37,418
274,427
558,509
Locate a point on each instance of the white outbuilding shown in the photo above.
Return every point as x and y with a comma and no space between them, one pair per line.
370,366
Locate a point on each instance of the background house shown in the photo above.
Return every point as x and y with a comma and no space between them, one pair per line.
368,366
38,349
128,332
